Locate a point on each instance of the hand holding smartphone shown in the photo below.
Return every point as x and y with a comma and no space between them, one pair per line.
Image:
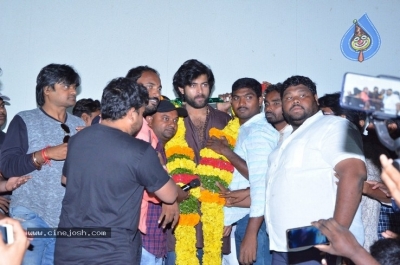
306,236
7,233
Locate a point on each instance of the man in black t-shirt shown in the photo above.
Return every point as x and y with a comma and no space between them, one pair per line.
105,173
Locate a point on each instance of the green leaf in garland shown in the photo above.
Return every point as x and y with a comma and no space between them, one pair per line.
176,156
180,171
208,182
189,205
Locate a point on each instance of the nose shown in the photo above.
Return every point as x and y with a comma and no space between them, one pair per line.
296,100
199,90
242,101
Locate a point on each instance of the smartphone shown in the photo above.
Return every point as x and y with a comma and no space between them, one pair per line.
306,236
379,94
7,233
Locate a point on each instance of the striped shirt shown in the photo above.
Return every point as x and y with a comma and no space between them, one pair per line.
256,139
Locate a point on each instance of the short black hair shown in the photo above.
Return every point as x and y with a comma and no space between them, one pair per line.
136,73
386,251
331,101
55,74
120,95
299,80
274,87
190,70
247,82
85,105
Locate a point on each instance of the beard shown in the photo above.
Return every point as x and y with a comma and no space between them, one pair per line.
192,101
151,108
299,118
272,119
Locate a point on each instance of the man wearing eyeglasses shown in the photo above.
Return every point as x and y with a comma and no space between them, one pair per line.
36,144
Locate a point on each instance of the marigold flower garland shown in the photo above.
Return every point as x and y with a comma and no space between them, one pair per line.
212,167
180,166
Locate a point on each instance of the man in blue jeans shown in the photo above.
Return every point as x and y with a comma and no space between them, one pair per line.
36,144
256,139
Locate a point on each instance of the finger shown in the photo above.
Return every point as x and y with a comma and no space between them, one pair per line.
323,248
2,199
373,182
4,207
175,221
391,185
389,234
221,187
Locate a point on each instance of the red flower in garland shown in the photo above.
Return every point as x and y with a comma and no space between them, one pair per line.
217,163
184,178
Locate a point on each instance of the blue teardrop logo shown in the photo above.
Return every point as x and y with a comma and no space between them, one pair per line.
361,41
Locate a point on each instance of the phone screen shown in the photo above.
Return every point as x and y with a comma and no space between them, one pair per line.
3,231
306,236
370,94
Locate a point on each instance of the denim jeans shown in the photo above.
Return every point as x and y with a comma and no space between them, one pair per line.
264,256
150,259
41,251
171,257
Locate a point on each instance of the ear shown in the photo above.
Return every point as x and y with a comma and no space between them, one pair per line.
132,114
362,123
260,101
85,117
46,90
316,99
149,120
182,90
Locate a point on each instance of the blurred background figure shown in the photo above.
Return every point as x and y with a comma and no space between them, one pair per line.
87,109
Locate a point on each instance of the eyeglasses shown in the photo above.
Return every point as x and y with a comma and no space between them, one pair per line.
66,132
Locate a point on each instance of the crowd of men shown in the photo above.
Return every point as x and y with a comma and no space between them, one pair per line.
103,167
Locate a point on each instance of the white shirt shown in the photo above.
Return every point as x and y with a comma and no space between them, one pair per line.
389,104
256,139
301,184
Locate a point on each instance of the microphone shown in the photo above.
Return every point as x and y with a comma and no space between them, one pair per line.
193,184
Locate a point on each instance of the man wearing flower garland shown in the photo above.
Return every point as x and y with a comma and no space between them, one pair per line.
193,83
257,138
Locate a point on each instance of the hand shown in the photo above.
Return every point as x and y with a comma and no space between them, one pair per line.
389,234
226,105
381,186
220,146
15,182
12,254
4,204
248,250
227,231
234,196
58,152
342,242
182,195
221,187
80,128
170,213
391,177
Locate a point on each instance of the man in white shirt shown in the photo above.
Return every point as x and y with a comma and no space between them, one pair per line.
256,139
390,102
301,182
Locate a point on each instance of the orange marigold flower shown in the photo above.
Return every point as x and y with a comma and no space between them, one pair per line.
182,150
191,219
